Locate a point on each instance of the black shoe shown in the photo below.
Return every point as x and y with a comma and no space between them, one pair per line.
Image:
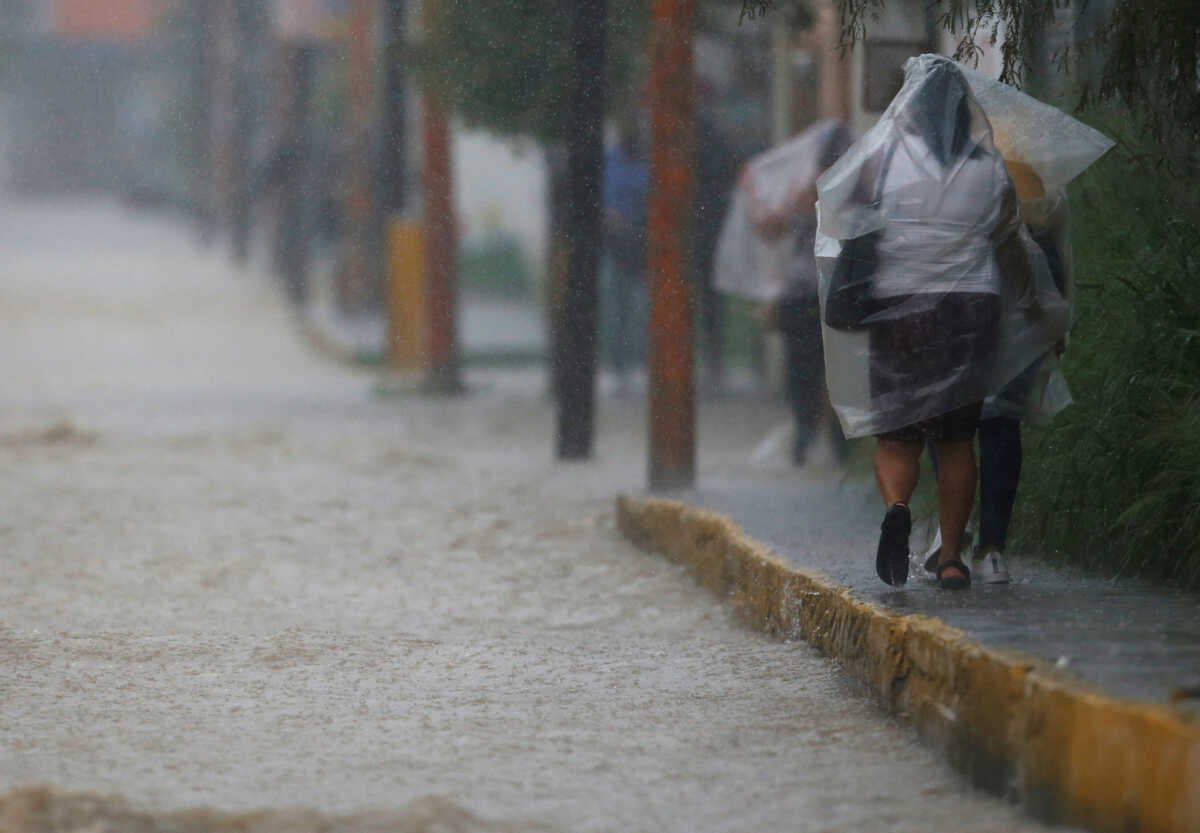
891,559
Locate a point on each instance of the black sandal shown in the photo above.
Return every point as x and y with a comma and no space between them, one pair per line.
891,558
954,582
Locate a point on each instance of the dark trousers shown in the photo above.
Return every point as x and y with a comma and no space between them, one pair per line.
799,321
1000,459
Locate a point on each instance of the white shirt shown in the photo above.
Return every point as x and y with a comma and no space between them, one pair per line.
939,221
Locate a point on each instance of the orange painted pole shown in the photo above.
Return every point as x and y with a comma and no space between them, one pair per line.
672,407
441,242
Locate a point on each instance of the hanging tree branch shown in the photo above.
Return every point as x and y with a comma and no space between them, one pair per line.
1147,51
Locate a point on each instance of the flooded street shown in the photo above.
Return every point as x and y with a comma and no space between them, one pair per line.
235,578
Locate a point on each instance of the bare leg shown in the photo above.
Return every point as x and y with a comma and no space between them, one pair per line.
897,470
897,467
956,494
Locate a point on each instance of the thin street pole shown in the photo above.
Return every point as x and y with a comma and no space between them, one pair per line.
441,240
576,354
394,162
356,267
202,87
672,409
221,57
291,242
407,305
239,152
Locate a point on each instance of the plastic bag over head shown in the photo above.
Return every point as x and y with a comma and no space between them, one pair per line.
937,292
1044,150
1051,143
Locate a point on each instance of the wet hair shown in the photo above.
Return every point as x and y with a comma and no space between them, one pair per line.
940,112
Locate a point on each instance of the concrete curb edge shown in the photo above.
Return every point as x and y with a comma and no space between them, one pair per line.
1017,726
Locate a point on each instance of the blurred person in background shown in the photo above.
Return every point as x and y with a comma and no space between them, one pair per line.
765,253
797,313
625,302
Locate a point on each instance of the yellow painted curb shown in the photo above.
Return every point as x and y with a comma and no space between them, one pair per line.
1016,725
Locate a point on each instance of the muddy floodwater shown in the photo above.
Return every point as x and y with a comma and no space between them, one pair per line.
236,578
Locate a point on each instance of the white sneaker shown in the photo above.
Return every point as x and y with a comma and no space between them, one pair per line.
989,567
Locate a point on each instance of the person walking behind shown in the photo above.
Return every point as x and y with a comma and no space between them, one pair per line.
931,298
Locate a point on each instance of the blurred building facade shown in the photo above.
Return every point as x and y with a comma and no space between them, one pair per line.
84,99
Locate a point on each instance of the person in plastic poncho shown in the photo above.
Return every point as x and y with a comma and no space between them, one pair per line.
765,254
796,313
933,297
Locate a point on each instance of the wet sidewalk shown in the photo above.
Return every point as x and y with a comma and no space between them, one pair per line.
1133,639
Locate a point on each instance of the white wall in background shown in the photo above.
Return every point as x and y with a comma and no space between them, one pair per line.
501,183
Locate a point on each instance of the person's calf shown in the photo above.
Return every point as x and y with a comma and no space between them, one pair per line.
897,470
956,494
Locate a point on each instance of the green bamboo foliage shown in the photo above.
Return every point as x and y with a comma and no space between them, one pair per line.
1114,484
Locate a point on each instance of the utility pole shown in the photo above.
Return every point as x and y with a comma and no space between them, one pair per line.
393,166
220,59
672,407
292,158
240,207
441,239
407,308
576,353
833,68
358,264
227,42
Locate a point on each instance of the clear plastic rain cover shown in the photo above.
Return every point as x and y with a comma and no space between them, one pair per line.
941,246
750,261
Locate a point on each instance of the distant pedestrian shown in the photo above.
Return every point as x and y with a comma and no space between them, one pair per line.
797,313
926,279
623,269
765,253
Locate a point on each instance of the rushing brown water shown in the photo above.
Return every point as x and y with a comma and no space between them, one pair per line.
234,579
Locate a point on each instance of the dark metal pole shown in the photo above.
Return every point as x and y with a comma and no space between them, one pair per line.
394,161
221,54
239,152
576,355
672,408
293,156
355,273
